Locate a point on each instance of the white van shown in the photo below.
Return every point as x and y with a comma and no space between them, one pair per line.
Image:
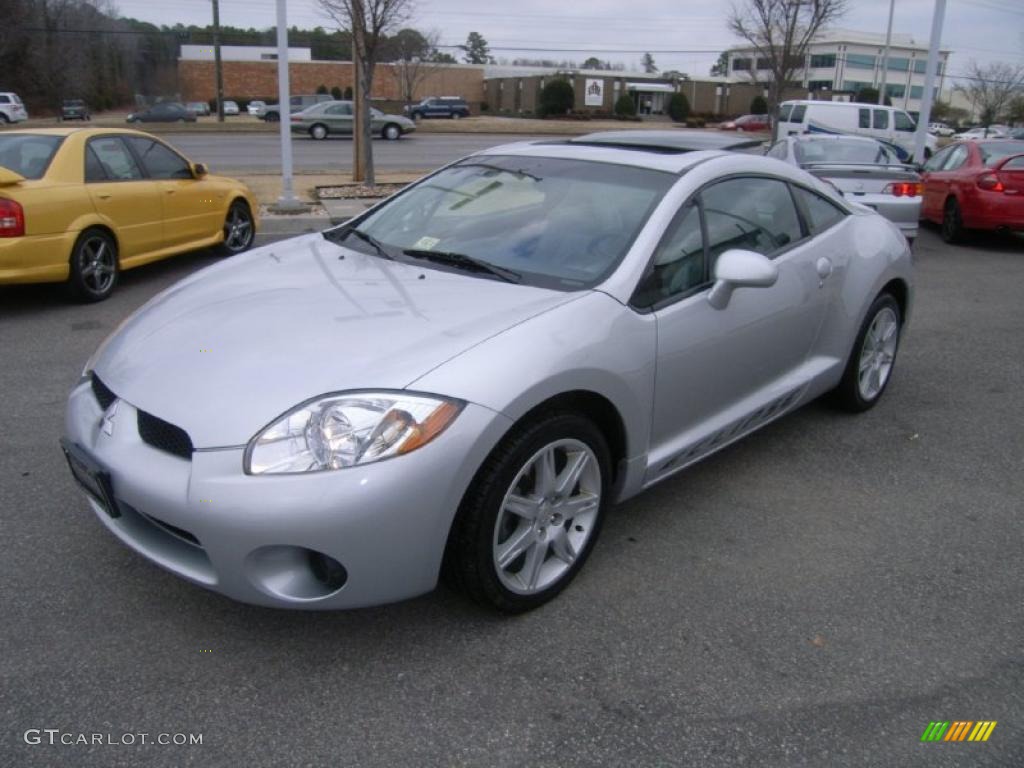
888,124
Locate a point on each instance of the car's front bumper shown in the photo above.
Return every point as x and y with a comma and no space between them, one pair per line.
250,537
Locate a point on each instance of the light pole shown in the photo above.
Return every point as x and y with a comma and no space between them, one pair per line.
287,201
216,61
885,54
929,81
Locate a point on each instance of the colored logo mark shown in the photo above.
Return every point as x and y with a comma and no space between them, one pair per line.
958,730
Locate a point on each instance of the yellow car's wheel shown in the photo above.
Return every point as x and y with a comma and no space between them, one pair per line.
94,266
238,229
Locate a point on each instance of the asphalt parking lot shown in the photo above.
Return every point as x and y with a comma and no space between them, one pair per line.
814,595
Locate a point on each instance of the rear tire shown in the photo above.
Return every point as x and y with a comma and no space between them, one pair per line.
318,131
952,222
94,266
872,358
532,514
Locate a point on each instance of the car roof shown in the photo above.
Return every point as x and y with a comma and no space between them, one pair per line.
834,137
673,142
84,131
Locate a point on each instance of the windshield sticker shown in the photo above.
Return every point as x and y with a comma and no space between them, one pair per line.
426,243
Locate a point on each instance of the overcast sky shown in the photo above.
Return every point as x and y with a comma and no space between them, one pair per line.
620,30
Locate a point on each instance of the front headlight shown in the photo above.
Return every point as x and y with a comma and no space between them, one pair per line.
336,431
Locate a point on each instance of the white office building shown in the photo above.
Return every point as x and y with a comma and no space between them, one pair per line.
843,62
190,52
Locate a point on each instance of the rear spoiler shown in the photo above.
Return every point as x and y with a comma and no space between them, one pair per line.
998,166
9,177
835,164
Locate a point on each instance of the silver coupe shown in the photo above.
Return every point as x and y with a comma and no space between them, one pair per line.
466,377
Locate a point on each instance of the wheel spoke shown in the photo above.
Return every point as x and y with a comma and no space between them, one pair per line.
525,508
570,476
88,270
579,505
545,473
514,546
563,549
535,557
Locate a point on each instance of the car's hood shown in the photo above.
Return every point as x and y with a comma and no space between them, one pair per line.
232,347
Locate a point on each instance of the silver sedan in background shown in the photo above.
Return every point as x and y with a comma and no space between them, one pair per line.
335,118
864,170
466,377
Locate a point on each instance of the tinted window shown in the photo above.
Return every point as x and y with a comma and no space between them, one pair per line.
851,150
864,118
159,161
935,161
116,160
678,264
93,167
994,151
755,214
4,98
903,122
956,158
26,154
881,119
784,112
560,223
797,115
821,212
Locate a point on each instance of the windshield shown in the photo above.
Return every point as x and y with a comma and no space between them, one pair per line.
27,154
841,151
557,223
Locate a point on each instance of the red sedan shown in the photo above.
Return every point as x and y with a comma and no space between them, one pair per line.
975,185
748,123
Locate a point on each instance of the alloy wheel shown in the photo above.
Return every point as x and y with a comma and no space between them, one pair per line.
97,265
547,516
878,353
238,230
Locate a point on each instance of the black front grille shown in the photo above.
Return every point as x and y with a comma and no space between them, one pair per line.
165,436
102,392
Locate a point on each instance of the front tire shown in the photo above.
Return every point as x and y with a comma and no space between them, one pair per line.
94,266
391,132
872,358
239,229
532,515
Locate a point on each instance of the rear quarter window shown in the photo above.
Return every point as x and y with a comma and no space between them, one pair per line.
797,115
27,154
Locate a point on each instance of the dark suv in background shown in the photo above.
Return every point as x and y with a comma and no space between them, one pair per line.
74,109
439,106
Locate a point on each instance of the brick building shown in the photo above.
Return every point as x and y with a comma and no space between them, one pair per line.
258,80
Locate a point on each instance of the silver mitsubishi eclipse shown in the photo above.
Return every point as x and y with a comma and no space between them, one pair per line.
463,380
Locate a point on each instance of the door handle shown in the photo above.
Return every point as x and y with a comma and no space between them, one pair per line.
169,191
103,197
824,268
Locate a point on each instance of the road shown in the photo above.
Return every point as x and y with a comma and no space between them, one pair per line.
261,152
812,596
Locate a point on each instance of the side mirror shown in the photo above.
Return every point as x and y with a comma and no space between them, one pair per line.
199,170
737,268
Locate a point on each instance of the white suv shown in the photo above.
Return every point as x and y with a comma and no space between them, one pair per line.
11,108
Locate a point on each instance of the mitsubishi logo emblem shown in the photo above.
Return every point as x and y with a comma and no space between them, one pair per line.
107,423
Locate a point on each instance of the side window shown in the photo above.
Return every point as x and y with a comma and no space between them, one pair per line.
797,115
755,214
4,98
956,158
93,168
864,118
881,119
339,110
159,161
903,122
115,159
935,162
778,150
678,264
821,212
784,111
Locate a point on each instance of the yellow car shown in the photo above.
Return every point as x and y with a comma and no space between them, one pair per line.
78,205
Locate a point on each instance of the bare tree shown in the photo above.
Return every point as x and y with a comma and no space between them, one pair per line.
779,31
368,21
413,54
991,88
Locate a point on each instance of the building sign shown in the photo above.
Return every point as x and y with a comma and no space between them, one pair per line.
593,95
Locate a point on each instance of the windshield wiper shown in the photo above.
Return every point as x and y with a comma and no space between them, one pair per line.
463,261
366,237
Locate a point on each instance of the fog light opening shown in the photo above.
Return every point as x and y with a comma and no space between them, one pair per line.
327,570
